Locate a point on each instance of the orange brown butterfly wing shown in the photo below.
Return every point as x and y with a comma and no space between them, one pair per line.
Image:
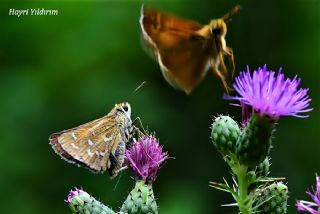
182,53
168,21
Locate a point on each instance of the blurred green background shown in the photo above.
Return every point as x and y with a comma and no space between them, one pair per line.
58,72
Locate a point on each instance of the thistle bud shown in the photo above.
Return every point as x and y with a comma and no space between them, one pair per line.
273,199
81,202
224,134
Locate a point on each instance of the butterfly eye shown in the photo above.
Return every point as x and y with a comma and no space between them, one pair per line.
125,108
216,30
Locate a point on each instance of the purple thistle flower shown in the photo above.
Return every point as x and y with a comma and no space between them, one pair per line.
145,157
72,194
311,207
271,94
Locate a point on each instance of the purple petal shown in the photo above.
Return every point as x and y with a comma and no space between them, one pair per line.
311,207
72,194
306,206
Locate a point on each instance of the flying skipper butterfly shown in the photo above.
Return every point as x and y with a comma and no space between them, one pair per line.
184,49
98,145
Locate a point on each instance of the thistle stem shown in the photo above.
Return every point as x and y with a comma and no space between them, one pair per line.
243,190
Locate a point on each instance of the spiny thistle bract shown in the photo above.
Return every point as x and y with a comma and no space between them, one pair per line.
263,168
273,199
81,202
224,134
140,200
261,172
254,143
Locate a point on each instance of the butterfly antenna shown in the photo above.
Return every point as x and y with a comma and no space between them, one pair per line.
227,17
129,97
139,87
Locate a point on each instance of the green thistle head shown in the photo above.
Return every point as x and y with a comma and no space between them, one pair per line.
273,199
81,202
224,134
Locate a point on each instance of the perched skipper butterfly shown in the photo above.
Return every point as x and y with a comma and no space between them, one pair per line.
98,145
185,50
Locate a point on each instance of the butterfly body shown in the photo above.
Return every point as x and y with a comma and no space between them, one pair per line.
98,145
184,49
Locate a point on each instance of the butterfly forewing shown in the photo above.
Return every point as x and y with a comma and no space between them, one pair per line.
184,49
92,144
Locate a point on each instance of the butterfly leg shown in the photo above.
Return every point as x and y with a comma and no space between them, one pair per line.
223,65
138,119
229,53
116,172
123,168
133,140
215,68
